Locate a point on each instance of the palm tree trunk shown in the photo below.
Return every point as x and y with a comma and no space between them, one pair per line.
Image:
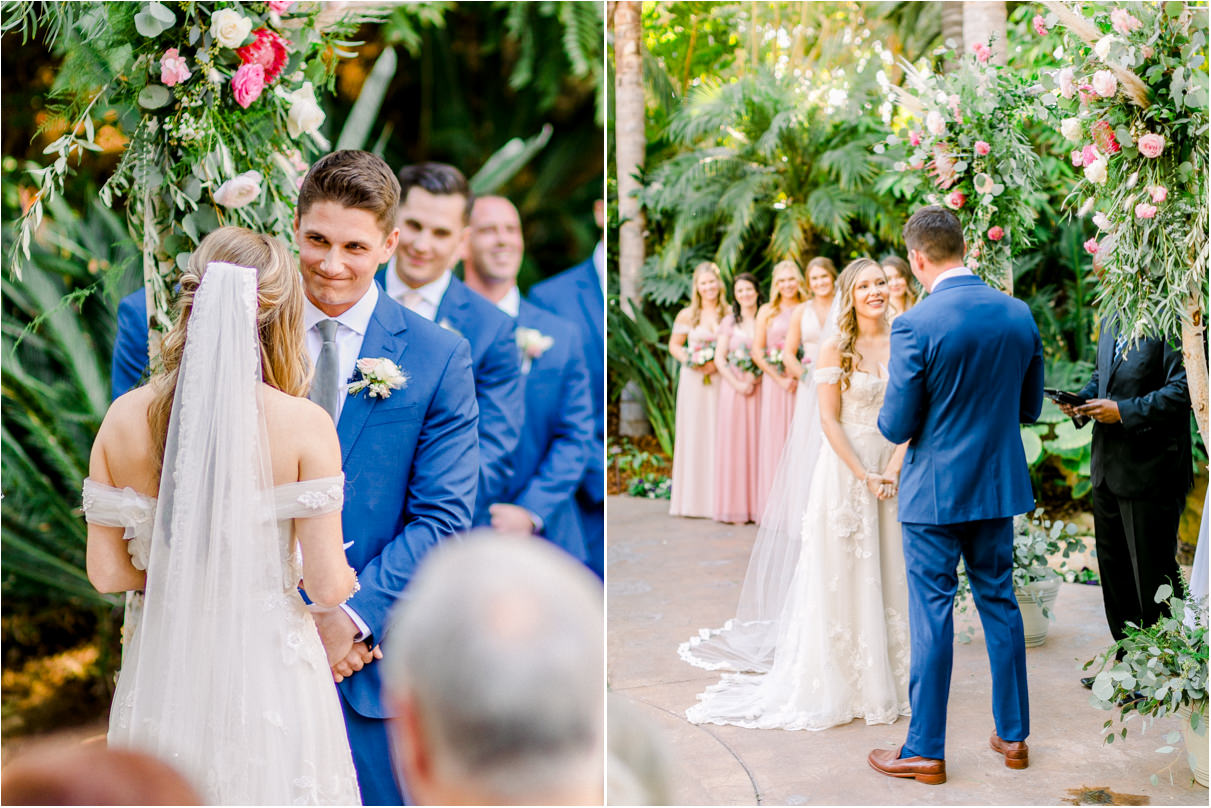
1195,358
952,28
630,143
985,21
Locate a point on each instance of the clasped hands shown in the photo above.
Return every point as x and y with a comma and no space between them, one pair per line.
337,630
883,486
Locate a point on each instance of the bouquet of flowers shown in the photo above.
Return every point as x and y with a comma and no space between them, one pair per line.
700,353
773,357
742,359
963,149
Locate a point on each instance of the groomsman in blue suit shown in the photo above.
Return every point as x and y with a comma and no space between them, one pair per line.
553,452
130,358
966,369
578,295
435,202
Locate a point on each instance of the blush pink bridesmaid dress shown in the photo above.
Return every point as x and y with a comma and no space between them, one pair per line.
777,409
693,491
736,441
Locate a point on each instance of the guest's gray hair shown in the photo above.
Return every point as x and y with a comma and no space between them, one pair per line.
499,643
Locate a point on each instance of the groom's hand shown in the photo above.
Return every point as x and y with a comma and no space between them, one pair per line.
359,656
337,631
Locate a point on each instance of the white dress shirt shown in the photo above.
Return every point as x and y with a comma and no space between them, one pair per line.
431,294
350,332
510,304
599,264
953,272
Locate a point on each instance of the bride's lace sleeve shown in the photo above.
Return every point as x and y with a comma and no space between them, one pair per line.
827,375
125,508
309,497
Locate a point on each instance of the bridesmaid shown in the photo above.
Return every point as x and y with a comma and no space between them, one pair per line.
807,323
778,385
901,287
691,342
739,401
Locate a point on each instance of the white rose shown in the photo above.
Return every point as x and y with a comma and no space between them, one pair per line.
229,27
240,190
1104,83
1095,172
1066,79
935,123
1102,48
1071,128
305,114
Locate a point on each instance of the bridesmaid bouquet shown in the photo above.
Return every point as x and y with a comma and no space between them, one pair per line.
742,359
774,357
700,354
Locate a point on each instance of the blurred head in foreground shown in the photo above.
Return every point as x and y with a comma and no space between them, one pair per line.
495,673
71,773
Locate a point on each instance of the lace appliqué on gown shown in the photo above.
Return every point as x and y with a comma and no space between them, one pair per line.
843,647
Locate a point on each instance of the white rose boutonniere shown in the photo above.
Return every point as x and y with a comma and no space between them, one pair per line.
532,343
379,376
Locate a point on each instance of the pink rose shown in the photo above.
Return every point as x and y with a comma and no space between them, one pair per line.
1104,83
1085,91
247,84
1088,155
173,69
1147,51
1158,193
983,52
1091,246
1145,211
914,138
268,50
955,199
1040,25
280,5
1151,145
1066,82
982,148
996,233
1077,159
1123,22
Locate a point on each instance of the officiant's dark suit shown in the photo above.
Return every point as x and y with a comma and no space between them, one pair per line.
1141,470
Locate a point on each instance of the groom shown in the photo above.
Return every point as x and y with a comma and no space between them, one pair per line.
966,369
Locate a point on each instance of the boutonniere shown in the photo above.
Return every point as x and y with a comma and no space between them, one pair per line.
445,323
532,343
379,376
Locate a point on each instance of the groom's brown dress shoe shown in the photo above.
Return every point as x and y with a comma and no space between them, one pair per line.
1017,754
923,770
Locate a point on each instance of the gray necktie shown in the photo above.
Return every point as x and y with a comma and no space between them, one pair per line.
324,389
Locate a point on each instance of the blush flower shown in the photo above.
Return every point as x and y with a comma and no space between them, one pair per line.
1077,159
280,5
268,50
1101,221
1122,21
247,84
935,123
983,52
1089,155
1091,246
996,233
914,138
239,190
1040,25
1151,145
1066,82
955,199
1145,211
982,148
1158,193
1104,83
173,69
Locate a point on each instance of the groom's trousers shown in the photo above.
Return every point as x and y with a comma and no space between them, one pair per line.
931,556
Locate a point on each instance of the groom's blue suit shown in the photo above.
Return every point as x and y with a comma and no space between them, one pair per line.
966,368
411,462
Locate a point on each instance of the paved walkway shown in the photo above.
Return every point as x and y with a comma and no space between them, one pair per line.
669,577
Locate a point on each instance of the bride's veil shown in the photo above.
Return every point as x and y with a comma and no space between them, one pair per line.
746,642
197,680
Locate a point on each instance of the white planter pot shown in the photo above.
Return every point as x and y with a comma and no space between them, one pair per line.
1031,600
1196,744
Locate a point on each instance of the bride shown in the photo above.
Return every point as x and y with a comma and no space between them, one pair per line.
840,646
204,486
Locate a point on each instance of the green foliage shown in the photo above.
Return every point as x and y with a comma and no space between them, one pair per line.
636,347
651,486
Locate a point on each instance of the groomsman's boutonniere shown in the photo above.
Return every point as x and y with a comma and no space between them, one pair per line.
378,376
532,343
446,324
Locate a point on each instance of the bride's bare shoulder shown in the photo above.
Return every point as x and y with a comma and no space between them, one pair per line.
292,412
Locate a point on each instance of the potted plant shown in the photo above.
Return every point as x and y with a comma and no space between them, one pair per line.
1036,583
1160,670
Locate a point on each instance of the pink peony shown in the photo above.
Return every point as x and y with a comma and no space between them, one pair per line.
996,233
955,199
1104,83
247,84
1151,145
1158,193
1122,21
1089,155
914,138
173,69
1091,246
1040,25
280,5
1077,159
983,52
1065,81
268,50
982,148
1085,91
1145,211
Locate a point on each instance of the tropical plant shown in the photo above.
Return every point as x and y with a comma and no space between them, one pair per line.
637,354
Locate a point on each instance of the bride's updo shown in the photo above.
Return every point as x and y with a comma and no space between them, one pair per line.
284,361
847,317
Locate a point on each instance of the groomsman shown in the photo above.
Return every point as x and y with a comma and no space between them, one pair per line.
553,453
130,357
578,295
435,202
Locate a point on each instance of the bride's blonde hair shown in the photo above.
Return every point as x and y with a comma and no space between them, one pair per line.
279,319
847,318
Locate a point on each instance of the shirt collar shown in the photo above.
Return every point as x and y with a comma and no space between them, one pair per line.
356,318
953,272
431,292
599,263
510,304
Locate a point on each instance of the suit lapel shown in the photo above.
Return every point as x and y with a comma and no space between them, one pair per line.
1114,359
453,305
384,339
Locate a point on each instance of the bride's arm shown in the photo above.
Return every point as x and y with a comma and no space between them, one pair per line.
327,577
829,396
106,557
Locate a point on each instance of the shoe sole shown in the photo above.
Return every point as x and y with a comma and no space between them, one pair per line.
927,779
